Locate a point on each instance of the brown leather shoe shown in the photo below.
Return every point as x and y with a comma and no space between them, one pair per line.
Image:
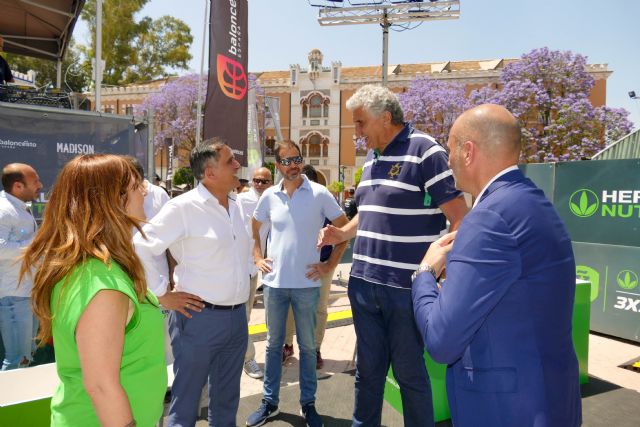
287,352
319,361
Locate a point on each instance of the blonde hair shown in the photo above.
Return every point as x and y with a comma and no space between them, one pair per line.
84,218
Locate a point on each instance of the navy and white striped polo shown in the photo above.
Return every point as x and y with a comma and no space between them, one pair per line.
398,201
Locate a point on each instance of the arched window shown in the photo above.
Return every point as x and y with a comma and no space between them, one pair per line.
314,150
315,106
315,139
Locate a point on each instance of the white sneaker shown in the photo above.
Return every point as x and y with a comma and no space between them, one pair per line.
252,369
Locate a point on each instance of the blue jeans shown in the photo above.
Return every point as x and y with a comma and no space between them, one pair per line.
304,303
18,327
386,333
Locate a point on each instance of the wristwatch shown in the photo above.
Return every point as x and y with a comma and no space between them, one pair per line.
421,269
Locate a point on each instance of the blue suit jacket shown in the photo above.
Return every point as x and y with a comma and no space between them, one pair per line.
502,321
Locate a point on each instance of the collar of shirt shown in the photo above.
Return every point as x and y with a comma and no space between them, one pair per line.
305,184
401,137
205,195
251,195
502,172
14,200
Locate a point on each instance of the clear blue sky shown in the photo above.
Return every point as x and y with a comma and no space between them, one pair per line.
282,32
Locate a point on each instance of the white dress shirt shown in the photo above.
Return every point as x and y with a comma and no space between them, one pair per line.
17,228
155,199
209,244
247,203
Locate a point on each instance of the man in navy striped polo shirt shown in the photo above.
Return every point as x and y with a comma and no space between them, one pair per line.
405,196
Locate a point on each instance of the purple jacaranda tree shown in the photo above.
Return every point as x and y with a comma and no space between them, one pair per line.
548,91
433,105
174,108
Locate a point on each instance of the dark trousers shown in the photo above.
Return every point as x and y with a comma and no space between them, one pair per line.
209,346
386,334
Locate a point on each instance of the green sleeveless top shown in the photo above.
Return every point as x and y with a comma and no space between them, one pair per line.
143,372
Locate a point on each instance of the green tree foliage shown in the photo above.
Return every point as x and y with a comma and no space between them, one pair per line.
162,41
183,175
336,187
358,175
137,50
271,166
76,74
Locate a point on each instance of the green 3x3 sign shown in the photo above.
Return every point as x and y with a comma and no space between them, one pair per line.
599,201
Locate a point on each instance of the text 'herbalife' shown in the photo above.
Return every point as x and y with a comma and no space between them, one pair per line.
615,203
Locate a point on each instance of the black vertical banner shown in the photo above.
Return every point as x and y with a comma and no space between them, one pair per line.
225,113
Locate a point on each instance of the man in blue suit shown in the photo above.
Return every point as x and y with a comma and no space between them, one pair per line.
502,318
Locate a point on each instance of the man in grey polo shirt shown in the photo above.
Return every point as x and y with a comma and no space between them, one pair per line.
296,209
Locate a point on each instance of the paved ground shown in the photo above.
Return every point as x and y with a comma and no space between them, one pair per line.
612,398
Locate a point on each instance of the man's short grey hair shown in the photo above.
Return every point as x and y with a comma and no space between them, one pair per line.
376,100
205,155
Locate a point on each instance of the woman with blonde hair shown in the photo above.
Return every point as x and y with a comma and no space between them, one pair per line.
90,294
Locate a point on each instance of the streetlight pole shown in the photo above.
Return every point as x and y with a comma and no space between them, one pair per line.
385,47
97,69
387,13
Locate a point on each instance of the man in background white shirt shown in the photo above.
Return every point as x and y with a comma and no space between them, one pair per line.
17,324
156,197
204,231
247,203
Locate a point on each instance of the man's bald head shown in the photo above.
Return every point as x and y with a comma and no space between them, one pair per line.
262,179
494,129
21,181
12,173
482,142
262,172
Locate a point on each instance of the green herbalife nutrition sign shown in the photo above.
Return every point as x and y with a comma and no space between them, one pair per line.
599,202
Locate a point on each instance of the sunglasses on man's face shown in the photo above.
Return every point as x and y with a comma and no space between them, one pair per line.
287,160
261,181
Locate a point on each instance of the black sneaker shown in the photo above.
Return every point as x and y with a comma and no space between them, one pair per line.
264,412
311,417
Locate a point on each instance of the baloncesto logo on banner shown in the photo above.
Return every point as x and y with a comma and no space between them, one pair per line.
232,78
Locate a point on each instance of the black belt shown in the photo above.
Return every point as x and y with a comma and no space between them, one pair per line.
221,307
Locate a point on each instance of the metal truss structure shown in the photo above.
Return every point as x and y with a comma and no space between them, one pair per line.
386,13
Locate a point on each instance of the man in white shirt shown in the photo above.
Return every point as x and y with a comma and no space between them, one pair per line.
17,324
204,231
155,198
247,203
